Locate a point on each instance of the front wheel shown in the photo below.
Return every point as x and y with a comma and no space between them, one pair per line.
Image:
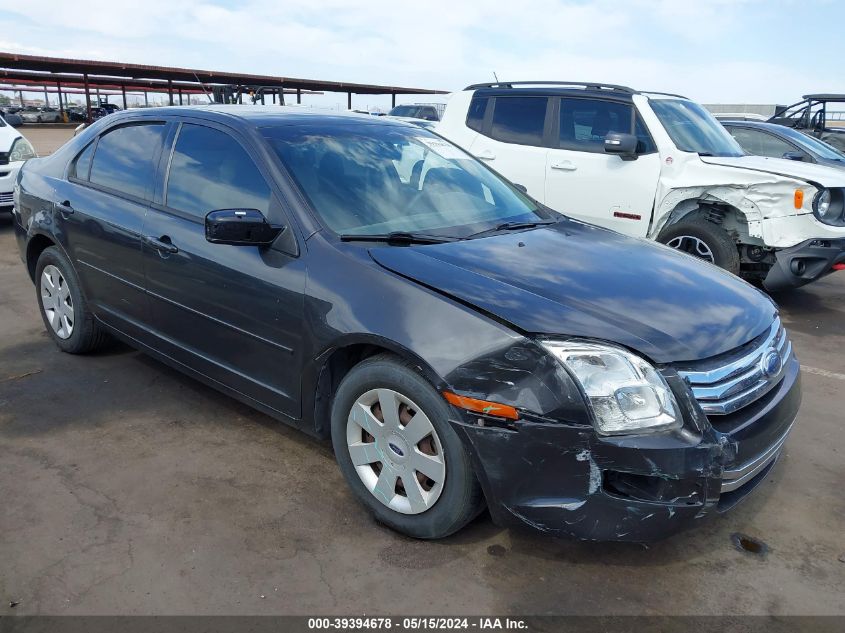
399,453
704,240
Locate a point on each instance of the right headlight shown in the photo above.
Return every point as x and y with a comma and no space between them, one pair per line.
625,393
829,206
21,150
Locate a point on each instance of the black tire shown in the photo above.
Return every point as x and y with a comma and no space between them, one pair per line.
724,250
86,334
461,498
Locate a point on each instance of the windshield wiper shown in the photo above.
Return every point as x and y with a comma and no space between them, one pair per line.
400,238
511,226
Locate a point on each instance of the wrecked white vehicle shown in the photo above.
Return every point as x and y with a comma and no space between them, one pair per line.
659,166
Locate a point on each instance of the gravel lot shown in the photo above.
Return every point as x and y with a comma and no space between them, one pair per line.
128,488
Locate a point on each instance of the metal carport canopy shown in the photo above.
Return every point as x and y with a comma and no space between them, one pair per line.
118,73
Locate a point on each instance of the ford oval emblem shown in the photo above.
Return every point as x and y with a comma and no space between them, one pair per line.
396,449
771,363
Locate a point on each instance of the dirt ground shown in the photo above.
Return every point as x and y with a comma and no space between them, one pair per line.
47,138
129,489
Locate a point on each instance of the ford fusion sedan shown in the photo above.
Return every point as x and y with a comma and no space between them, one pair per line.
368,282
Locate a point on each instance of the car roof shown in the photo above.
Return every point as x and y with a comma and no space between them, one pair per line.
566,88
825,97
763,125
257,115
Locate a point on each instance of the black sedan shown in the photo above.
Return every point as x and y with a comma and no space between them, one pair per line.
777,141
366,281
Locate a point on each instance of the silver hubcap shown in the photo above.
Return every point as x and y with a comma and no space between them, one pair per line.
693,246
396,451
56,301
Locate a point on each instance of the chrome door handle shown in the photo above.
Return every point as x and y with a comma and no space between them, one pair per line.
162,244
486,155
64,207
564,165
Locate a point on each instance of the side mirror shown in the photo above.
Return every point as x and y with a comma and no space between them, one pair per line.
793,156
624,145
240,227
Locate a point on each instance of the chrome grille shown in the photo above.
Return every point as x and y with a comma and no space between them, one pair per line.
724,385
6,198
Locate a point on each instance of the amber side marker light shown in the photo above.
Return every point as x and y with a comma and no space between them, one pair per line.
481,406
799,198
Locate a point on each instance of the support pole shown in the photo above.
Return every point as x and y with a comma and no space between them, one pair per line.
274,97
87,99
146,99
349,100
299,95
180,96
61,105
46,97
392,99
123,92
170,91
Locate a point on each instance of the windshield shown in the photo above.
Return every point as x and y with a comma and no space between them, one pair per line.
822,149
377,178
693,129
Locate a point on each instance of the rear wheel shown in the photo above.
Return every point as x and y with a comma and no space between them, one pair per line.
63,308
399,453
704,240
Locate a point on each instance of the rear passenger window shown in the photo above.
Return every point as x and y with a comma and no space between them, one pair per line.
519,120
210,170
124,160
585,122
81,165
475,115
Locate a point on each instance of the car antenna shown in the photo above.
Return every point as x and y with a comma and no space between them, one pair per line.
495,77
207,95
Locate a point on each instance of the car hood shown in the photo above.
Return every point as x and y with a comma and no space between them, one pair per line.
822,174
8,134
579,280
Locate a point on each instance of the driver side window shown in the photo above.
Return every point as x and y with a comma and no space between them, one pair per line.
210,170
584,124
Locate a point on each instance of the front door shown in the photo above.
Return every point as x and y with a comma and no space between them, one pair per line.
233,313
584,182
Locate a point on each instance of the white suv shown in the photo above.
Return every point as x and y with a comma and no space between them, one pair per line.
14,150
659,166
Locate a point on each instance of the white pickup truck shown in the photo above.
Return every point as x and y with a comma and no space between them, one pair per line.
658,166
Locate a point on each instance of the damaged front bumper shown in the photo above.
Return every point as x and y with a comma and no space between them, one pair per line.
568,481
804,263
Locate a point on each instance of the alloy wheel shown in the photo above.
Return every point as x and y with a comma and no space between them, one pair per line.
692,246
396,451
57,301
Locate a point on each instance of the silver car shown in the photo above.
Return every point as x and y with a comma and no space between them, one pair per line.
33,114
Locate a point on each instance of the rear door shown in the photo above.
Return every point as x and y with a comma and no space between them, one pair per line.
233,313
102,205
513,133
584,182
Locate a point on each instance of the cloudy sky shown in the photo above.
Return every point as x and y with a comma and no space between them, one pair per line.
715,51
